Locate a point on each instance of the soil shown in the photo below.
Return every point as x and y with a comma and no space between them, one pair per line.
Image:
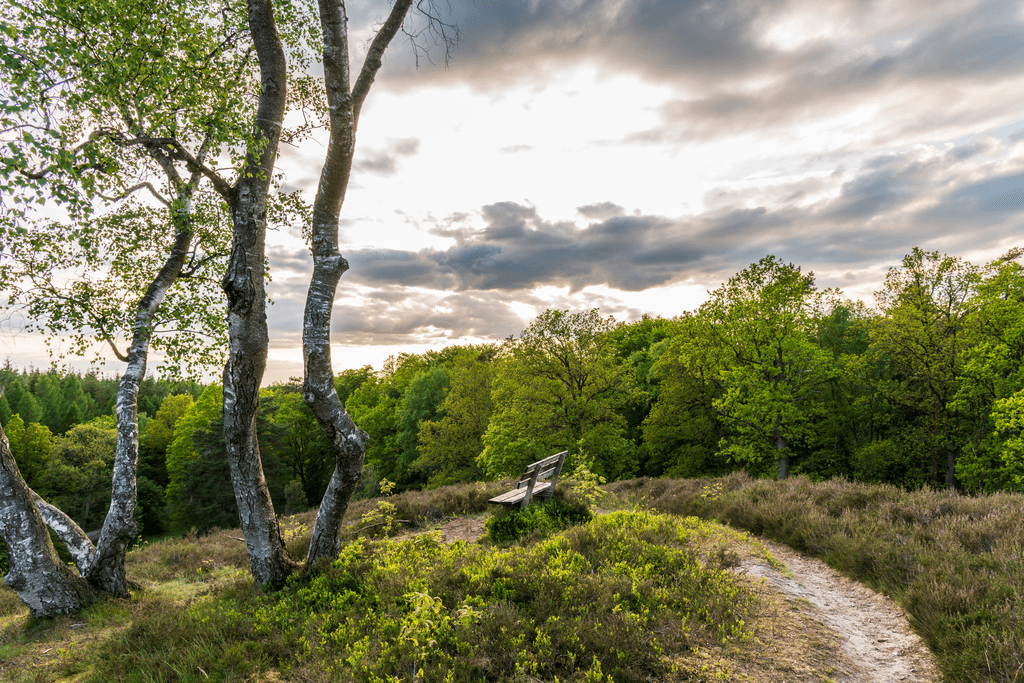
876,642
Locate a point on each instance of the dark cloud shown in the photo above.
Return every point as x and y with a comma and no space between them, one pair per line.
877,213
998,195
662,39
919,80
917,63
282,259
891,203
385,161
518,250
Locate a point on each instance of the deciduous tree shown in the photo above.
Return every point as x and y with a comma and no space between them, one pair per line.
346,97
105,101
925,303
754,338
558,387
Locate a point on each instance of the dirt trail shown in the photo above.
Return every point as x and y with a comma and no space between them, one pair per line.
873,629
876,640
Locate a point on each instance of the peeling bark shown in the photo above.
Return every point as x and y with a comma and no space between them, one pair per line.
248,337
102,566
74,539
43,582
347,441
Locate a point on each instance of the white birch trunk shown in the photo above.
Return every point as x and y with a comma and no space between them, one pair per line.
74,539
107,570
43,582
348,441
247,321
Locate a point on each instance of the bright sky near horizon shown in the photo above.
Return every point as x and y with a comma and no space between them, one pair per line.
632,154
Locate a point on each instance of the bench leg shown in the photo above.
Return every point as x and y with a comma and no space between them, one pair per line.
529,488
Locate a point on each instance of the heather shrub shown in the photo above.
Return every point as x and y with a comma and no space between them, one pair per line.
629,596
536,520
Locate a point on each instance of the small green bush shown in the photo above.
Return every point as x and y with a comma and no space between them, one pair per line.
628,594
539,520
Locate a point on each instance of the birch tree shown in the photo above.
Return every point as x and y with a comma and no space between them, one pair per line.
345,99
243,282
102,103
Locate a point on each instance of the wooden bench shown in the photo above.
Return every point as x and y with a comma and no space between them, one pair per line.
538,480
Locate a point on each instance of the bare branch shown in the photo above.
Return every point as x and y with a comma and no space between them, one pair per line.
120,356
177,151
194,265
438,30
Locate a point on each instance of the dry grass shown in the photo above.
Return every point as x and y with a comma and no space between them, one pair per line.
955,563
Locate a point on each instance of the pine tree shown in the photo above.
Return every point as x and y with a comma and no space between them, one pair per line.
13,391
75,403
48,394
28,408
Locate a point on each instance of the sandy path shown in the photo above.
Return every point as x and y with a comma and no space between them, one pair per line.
873,629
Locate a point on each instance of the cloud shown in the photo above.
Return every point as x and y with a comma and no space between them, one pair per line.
393,315
665,40
961,199
964,197
601,211
519,250
385,161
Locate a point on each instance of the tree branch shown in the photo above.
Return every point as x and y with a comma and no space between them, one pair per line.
75,540
134,188
372,63
120,356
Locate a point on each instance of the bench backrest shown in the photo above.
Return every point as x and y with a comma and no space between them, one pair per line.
542,470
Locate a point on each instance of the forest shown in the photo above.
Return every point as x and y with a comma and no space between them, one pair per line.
771,376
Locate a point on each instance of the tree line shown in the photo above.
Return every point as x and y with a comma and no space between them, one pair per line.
771,375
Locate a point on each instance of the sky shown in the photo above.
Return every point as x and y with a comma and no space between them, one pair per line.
631,155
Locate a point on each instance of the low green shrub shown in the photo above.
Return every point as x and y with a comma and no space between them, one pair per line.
621,598
537,520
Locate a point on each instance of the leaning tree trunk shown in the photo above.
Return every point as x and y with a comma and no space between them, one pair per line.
247,319
71,535
49,588
347,441
42,580
107,570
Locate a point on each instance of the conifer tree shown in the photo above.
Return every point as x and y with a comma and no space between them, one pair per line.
48,394
28,408
75,403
